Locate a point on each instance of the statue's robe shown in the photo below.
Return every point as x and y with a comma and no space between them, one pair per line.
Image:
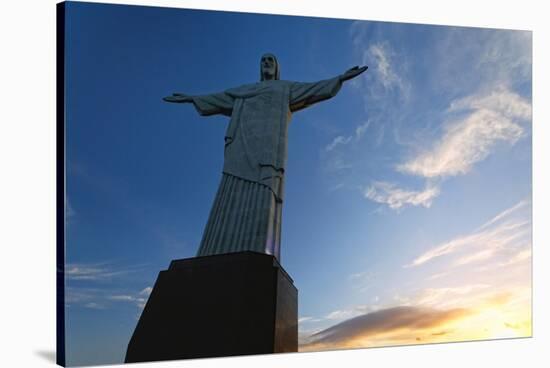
246,214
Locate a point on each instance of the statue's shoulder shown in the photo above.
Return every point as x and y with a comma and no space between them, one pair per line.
250,89
243,89
279,83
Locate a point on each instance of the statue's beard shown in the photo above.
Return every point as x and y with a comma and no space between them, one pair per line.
268,74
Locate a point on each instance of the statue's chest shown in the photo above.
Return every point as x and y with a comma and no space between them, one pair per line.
263,123
266,107
264,114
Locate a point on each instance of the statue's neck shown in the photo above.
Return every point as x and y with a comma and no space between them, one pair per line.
267,77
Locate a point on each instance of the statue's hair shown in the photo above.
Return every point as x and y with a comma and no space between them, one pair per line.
277,67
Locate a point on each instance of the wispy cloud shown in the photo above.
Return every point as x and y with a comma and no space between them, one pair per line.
521,204
146,291
344,140
489,242
95,271
471,57
95,285
138,300
501,231
80,295
492,118
447,296
451,118
395,197
101,298
385,90
476,256
382,56
337,164
386,63
484,121
474,127
342,314
307,320
339,140
523,254
500,100
93,305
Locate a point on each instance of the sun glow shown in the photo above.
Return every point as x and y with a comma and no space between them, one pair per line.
502,315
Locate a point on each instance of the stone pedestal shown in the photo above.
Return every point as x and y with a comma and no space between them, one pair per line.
220,305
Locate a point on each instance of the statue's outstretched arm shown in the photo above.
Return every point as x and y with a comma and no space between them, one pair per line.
303,95
353,72
216,103
178,98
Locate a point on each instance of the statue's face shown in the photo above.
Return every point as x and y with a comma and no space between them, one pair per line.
268,66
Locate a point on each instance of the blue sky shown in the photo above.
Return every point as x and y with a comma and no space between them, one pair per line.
407,194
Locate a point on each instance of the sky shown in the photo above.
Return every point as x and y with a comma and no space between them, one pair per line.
407,215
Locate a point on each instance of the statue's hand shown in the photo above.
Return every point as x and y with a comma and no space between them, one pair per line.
178,98
353,72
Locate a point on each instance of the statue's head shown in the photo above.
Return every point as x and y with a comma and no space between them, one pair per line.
269,67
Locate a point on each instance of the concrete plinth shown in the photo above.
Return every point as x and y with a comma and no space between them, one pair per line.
220,305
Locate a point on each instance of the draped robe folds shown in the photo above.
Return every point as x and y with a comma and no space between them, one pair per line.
247,209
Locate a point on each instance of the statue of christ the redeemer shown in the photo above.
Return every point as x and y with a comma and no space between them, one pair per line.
246,214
